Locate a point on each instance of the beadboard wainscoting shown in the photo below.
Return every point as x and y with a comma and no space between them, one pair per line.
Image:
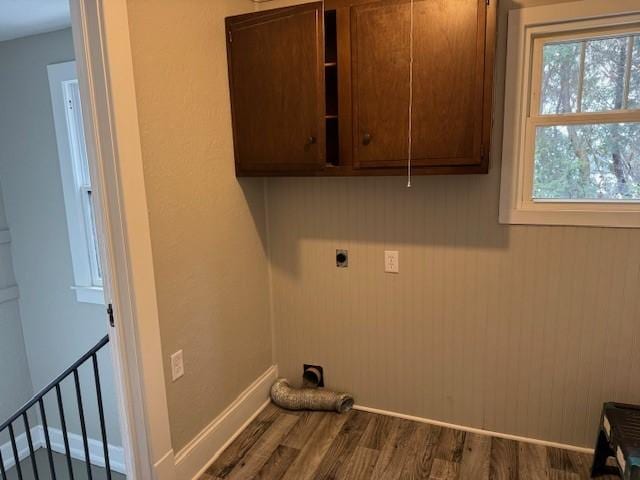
522,330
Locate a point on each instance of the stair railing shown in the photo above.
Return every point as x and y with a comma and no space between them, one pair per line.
38,400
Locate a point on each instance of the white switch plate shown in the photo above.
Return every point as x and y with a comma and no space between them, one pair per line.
391,259
177,365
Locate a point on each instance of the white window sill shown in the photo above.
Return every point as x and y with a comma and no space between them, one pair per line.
568,216
89,295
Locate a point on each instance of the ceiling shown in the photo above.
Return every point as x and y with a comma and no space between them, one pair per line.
20,18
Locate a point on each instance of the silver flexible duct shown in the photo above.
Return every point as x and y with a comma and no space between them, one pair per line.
291,398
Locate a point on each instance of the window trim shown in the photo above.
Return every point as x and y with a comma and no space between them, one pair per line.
526,25
86,285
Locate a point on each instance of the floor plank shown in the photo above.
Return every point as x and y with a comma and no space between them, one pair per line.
504,459
421,453
560,459
280,460
377,432
262,450
314,451
451,445
444,470
283,445
361,464
299,435
476,457
227,461
394,453
532,462
332,465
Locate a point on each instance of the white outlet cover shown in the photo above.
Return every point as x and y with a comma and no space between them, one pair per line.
391,261
177,365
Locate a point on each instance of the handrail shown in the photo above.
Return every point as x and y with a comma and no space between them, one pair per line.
38,399
53,384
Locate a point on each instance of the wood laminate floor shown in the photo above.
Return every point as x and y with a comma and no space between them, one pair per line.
280,444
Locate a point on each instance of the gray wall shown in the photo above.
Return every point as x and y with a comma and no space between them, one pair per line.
57,329
15,380
518,329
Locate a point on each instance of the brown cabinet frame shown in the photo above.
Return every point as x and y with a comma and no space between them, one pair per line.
346,126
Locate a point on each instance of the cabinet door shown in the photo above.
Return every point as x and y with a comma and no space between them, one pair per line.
277,90
448,82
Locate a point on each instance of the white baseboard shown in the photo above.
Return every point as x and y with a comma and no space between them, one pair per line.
165,468
475,430
200,452
76,447
23,450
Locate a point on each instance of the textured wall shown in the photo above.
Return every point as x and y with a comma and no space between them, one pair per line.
57,328
15,380
207,228
518,329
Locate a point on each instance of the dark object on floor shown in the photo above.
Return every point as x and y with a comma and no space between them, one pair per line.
618,437
291,398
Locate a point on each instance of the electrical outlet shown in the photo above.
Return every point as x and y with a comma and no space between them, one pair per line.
177,365
391,261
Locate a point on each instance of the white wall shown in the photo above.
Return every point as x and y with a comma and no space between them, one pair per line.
57,329
15,380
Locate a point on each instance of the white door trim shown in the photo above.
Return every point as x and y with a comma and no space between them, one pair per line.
105,73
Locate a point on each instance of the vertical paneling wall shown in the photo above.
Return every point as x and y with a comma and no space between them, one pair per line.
518,329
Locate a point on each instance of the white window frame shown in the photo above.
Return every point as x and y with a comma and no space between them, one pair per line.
76,186
526,26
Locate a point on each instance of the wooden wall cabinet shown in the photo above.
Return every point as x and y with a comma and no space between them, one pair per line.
325,92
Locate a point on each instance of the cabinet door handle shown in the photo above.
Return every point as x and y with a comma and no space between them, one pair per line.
310,141
366,139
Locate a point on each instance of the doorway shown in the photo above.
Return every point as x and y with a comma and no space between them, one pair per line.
61,411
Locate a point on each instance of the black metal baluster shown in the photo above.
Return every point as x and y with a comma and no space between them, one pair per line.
47,440
32,453
83,425
103,429
65,434
3,472
14,449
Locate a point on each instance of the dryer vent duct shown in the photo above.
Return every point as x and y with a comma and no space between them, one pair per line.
285,396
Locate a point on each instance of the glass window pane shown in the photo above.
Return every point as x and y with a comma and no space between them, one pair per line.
604,71
77,140
634,81
587,162
560,73
96,267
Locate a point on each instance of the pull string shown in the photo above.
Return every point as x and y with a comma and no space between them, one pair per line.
410,129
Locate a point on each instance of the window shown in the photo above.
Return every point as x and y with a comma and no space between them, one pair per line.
76,183
572,117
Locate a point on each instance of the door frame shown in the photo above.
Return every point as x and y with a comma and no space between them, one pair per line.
105,73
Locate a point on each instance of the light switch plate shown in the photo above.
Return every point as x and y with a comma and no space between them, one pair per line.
177,365
391,261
